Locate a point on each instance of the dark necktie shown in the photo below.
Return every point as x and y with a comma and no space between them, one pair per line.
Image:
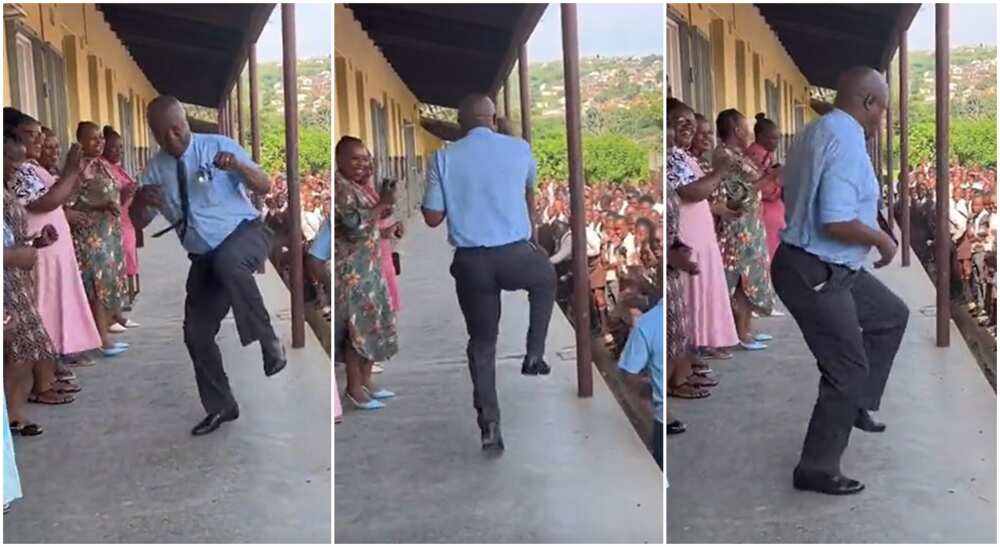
182,188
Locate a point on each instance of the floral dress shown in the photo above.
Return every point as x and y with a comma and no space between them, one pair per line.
363,316
98,241
677,322
743,240
27,341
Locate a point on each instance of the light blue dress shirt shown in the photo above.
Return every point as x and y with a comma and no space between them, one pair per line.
479,183
644,349
829,178
220,200
321,244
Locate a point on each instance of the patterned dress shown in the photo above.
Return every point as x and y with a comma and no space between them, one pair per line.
27,341
363,316
677,321
743,240
98,242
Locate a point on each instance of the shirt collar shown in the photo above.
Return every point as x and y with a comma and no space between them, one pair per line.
853,122
479,130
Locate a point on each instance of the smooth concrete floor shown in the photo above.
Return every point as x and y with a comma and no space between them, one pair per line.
120,466
574,470
931,477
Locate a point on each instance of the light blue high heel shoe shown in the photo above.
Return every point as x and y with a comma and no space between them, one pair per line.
125,345
753,346
372,404
762,338
113,351
381,393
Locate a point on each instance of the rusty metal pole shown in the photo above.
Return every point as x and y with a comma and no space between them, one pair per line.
581,274
254,107
292,161
239,109
942,244
904,144
889,180
525,92
258,200
221,115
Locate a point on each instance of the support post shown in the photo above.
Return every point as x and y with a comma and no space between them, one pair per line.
239,109
942,243
525,93
581,274
889,182
904,144
292,176
254,107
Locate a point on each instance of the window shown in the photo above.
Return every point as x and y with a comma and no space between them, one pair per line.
674,78
741,77
694,56
26,90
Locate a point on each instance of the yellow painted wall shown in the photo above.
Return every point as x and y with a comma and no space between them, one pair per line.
98,66
362,74
729,26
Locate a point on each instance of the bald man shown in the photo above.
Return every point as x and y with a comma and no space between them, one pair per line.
483,184
852,323
201,184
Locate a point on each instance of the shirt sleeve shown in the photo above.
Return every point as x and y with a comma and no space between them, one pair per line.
434,195
839,194
532,171
636,354
320,246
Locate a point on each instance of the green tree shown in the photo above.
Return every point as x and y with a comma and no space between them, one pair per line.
613,159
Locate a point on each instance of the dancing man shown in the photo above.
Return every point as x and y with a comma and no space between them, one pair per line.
484,185
852,323
201,185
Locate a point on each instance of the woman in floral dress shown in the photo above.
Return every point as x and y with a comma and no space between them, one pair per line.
114,149
97,236
29,358
742,237
364,323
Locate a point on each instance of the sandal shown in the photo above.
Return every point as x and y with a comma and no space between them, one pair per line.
717,354
25,430
82,362
687,391
703,381
676,427
63,386
67,375
53,398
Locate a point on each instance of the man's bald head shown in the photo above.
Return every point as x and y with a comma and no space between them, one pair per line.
863,93
477,111
168,122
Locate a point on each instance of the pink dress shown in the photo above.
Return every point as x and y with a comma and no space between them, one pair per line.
59,293
772,210
388,269
127,187
706,295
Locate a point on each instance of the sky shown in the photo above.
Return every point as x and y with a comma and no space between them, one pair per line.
313,27
605,29
971,24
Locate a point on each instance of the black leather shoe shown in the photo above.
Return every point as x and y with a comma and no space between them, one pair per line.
532,367
825,483
676,427
274,357
214,421
865,422
492,439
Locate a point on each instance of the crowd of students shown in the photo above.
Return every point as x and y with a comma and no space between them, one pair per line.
972,216
624,251
70,263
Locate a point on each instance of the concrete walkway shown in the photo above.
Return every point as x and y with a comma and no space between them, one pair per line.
574,470
931,477
120,466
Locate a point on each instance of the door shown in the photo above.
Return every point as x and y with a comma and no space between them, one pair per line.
413,189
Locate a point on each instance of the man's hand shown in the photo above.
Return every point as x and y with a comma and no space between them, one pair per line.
886,248
149,196
226,161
